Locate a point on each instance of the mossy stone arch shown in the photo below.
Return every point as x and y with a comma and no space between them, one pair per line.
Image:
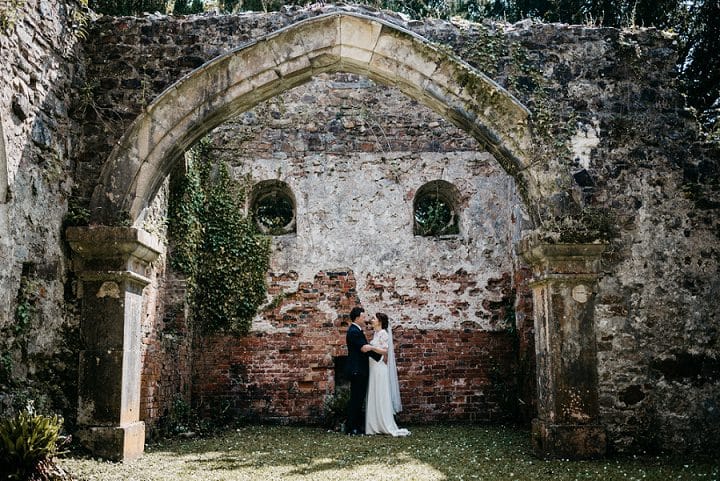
334,42
113,262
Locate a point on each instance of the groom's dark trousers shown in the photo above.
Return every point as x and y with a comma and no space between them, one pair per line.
358,372
358,390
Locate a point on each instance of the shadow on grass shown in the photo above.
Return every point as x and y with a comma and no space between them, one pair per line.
430,453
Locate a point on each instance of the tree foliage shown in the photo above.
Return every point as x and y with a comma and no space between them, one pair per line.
28,441
701,66
127,7
187,7
697,23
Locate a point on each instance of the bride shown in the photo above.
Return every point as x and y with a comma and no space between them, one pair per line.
383,395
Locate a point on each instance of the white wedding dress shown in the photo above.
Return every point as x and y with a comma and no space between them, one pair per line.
379,410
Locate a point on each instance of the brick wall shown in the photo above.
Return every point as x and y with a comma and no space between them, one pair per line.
287,373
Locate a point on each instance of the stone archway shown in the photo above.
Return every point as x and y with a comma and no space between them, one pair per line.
112,262
334,42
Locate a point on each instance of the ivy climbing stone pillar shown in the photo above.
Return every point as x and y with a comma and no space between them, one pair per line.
564,287
112,264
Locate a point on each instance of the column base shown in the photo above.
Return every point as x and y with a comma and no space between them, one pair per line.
568,441
116,443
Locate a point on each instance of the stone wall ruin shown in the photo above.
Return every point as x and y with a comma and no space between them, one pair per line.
607,96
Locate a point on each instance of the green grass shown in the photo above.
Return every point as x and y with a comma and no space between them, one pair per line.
431,453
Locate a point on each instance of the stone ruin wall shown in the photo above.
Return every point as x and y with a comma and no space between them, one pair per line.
635,151
39,62
354,153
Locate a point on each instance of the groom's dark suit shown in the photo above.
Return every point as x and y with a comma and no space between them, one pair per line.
358,372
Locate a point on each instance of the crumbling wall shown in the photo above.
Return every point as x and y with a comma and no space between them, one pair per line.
354,154
610,100
608,97
39,63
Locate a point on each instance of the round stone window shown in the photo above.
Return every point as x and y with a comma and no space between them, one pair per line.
435,209
273,207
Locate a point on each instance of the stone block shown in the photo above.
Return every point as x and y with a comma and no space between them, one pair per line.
100,388
358,37
115,443
568,441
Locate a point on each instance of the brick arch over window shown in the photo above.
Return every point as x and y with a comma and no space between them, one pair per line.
334,42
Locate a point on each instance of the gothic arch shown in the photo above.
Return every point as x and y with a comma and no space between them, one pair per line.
114,263
338,41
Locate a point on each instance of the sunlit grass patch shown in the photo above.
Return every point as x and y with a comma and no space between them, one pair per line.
431,453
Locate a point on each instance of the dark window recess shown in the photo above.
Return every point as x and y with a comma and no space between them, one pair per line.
435,210
273,207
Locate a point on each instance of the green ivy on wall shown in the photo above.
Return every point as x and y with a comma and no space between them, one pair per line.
10,11
217,246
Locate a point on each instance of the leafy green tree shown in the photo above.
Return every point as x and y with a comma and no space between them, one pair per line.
701,68
186,7
127,7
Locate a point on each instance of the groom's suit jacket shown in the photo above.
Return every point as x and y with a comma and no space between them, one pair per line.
358,360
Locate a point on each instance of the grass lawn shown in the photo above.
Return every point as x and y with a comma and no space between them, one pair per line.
431,453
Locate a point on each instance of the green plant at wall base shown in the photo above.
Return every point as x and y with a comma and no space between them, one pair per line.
28,441
178,419
335,407
217,246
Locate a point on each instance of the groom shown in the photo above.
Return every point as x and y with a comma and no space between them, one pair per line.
358,371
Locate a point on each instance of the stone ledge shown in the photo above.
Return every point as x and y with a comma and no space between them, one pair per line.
548,259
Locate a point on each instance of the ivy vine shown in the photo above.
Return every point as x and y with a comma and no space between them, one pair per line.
217,246
10,11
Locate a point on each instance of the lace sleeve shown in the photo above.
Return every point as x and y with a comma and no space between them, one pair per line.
382,339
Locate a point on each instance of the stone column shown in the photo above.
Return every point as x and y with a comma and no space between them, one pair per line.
564,287
113,265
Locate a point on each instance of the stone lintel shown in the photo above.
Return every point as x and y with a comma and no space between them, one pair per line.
568,441
116,443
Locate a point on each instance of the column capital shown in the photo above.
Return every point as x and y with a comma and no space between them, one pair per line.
113,252
547,259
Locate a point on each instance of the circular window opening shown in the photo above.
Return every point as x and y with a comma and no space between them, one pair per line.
273,208
435,210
